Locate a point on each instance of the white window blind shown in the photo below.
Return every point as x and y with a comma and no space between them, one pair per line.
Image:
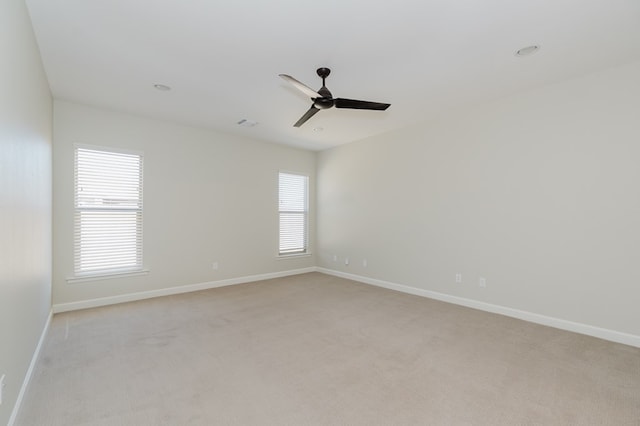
108,212
293,190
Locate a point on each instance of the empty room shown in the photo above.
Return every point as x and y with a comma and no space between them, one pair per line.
319,213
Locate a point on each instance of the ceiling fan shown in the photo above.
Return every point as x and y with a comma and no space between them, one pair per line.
323,99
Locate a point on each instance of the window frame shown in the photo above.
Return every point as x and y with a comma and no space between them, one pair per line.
305,250
137,268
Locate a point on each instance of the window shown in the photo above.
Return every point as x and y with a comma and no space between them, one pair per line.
294,216
108,212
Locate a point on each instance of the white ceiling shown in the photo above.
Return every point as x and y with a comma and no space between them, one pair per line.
222,58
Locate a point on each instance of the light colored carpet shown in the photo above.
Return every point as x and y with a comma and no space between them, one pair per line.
318,350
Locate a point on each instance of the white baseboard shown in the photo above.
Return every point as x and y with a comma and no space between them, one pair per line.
602,333
130,297
27,377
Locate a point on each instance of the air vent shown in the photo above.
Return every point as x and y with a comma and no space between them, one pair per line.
529,50
247,123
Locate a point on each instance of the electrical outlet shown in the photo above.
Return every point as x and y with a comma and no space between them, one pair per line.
364,263
482,282
335,257
458,278
214,266
346,261
1,386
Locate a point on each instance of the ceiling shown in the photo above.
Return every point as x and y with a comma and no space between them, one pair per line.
222,58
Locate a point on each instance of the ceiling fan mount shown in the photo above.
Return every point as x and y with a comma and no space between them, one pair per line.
323,99
323,73
326,101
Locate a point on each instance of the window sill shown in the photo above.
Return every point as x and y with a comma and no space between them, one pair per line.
106,276
292,256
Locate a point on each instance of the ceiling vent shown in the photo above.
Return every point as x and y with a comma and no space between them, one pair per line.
529,50
247,123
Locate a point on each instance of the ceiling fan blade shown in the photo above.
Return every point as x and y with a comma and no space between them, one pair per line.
307,115
354,104
300,86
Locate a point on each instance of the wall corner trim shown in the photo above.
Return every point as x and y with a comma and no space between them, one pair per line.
30,370
589,330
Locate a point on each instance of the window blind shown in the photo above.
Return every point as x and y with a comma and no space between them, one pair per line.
108,212
293,197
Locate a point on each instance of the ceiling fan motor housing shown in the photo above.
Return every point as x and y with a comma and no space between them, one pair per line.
325,102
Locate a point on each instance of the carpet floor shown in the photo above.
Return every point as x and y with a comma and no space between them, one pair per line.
314,349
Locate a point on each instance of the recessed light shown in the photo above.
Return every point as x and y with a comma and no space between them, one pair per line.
162,87
529,50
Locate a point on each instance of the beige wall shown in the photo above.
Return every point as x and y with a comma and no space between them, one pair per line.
207,197
25,197
538,193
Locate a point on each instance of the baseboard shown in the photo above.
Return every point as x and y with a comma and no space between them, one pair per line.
602,333
131,297
27,377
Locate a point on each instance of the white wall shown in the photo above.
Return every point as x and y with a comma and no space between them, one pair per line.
207,197
25,199
539,193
